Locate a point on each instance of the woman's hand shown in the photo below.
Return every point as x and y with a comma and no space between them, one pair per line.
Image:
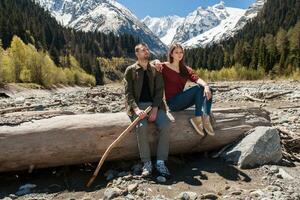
158,65
207,92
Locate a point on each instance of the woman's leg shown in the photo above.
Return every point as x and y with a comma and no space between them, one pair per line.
188,98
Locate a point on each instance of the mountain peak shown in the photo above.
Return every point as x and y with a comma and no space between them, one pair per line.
220,5
107,16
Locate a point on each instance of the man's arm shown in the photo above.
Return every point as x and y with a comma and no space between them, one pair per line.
158,90
129,89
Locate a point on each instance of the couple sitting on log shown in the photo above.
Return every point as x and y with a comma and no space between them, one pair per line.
146,85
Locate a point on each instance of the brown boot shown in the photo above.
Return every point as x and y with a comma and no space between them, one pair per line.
198,125
207,126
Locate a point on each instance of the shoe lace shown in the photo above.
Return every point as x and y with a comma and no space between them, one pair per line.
147,166
161,167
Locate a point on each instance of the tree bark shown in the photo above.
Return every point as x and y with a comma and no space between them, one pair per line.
74,139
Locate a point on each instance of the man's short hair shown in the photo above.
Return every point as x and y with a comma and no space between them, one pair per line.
137,47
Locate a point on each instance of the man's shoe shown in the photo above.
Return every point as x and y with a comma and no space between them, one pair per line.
162,169
198,125
147,169
207,126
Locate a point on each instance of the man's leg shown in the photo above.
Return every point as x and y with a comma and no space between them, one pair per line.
163,124
142,136
142,139
143,142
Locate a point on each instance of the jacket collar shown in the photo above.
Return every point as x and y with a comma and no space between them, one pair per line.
137,66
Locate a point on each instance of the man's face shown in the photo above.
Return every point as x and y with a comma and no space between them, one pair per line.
143,53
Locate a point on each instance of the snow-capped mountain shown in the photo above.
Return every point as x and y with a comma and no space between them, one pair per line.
220,32
164,27
200,21
101,15
206,26
250,13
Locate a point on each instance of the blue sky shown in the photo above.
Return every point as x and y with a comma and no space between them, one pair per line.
158,8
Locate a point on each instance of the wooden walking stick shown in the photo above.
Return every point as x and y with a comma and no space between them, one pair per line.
116,142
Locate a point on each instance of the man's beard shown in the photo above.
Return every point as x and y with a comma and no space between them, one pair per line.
146,57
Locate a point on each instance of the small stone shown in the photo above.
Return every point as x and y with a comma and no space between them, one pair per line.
211,196
187,196
273,188
132,187
236,193
130,197
161,179
257,193
111,193
19,100
274,169
141,193
227,187
284,175
39,108
13,196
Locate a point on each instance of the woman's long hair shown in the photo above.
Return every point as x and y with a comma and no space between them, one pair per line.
182,68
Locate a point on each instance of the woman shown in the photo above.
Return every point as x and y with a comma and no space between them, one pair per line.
176,74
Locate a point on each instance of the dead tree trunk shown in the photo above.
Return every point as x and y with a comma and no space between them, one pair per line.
73,139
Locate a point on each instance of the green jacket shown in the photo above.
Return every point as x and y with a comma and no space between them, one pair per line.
134,76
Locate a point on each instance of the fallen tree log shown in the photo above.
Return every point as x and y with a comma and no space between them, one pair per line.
74,139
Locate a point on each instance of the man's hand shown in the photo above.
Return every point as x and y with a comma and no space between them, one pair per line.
153,114
207,92
141,113
158,65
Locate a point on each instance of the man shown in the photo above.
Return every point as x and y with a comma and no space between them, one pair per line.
144,87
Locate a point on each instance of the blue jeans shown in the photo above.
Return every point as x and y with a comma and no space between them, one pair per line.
190,97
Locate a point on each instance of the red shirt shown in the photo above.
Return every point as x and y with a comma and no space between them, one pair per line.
174,82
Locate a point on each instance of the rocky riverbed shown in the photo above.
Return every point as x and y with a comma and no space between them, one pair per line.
196,176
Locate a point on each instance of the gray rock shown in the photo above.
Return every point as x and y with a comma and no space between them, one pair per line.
25,189
161,179
187,196
273,169
130,196
19,100
260,147
111,193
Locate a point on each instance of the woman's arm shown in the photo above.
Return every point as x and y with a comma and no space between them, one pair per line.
193,77
157,64
207,91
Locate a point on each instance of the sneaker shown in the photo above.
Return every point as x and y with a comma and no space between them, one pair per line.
207,126
147,169
162,168
198,125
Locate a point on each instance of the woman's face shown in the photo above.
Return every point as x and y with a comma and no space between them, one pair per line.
177,54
